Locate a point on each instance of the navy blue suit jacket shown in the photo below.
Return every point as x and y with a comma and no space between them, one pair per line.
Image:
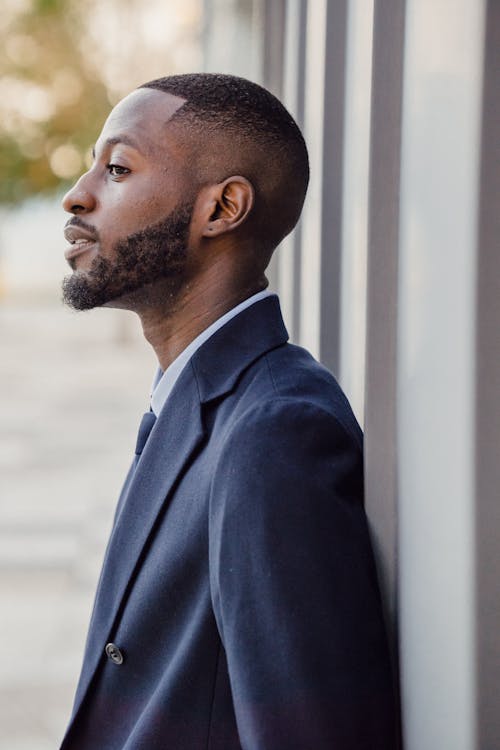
238,582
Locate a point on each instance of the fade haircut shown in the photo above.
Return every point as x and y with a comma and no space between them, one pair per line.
244,129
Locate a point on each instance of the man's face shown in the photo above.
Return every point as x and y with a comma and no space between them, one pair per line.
131,210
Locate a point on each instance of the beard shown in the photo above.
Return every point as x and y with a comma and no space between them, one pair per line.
156,253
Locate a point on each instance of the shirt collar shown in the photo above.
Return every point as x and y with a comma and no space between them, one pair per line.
164,382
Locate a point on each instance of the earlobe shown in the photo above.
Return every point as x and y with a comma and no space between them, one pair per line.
231,203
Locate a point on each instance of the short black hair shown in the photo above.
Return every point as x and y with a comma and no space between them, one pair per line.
248,112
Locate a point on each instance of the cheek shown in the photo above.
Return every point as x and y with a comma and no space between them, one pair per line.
124,219
135,207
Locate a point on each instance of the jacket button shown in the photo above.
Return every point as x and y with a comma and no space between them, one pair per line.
113,653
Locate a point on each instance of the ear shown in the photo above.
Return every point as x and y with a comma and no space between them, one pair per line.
227,205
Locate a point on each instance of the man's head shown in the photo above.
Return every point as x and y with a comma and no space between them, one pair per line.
191,173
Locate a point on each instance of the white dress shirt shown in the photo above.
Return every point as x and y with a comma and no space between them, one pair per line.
165,381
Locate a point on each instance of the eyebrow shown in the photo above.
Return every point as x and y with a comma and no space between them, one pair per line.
113,141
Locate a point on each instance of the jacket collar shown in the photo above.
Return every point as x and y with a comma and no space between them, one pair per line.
219,362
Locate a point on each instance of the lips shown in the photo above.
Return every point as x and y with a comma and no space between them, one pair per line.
80,240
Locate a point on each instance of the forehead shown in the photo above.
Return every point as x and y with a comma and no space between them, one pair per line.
141,118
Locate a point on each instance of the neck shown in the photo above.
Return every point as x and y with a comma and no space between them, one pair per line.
170,329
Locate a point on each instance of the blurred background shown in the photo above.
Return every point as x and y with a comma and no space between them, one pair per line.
392,279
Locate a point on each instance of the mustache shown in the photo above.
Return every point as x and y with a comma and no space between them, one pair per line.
77,222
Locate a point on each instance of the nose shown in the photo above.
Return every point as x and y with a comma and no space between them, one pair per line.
79,199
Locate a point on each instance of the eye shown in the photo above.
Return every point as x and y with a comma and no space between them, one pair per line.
116,171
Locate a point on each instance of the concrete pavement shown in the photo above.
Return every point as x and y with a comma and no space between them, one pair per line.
72,390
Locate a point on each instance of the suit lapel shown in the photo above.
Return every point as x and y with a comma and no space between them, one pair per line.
170,446
219,363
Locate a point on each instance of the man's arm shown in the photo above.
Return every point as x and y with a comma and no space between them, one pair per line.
294,587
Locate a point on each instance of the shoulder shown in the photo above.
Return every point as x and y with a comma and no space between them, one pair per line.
301,390
287,429
280,422
287,452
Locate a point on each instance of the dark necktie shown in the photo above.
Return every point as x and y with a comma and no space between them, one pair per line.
147,423
145,428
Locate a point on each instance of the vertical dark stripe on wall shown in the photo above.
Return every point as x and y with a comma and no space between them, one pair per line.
297,236
487,397
301,54
274,46
382,287
333,147
273,51
382,283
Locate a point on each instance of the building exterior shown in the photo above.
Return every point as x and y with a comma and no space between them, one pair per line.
393,280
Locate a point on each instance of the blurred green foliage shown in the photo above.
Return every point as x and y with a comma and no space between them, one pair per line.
64,63
52,101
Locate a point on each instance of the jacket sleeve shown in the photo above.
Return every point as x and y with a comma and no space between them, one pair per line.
293,585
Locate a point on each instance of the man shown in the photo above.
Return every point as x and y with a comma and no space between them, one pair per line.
238,604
